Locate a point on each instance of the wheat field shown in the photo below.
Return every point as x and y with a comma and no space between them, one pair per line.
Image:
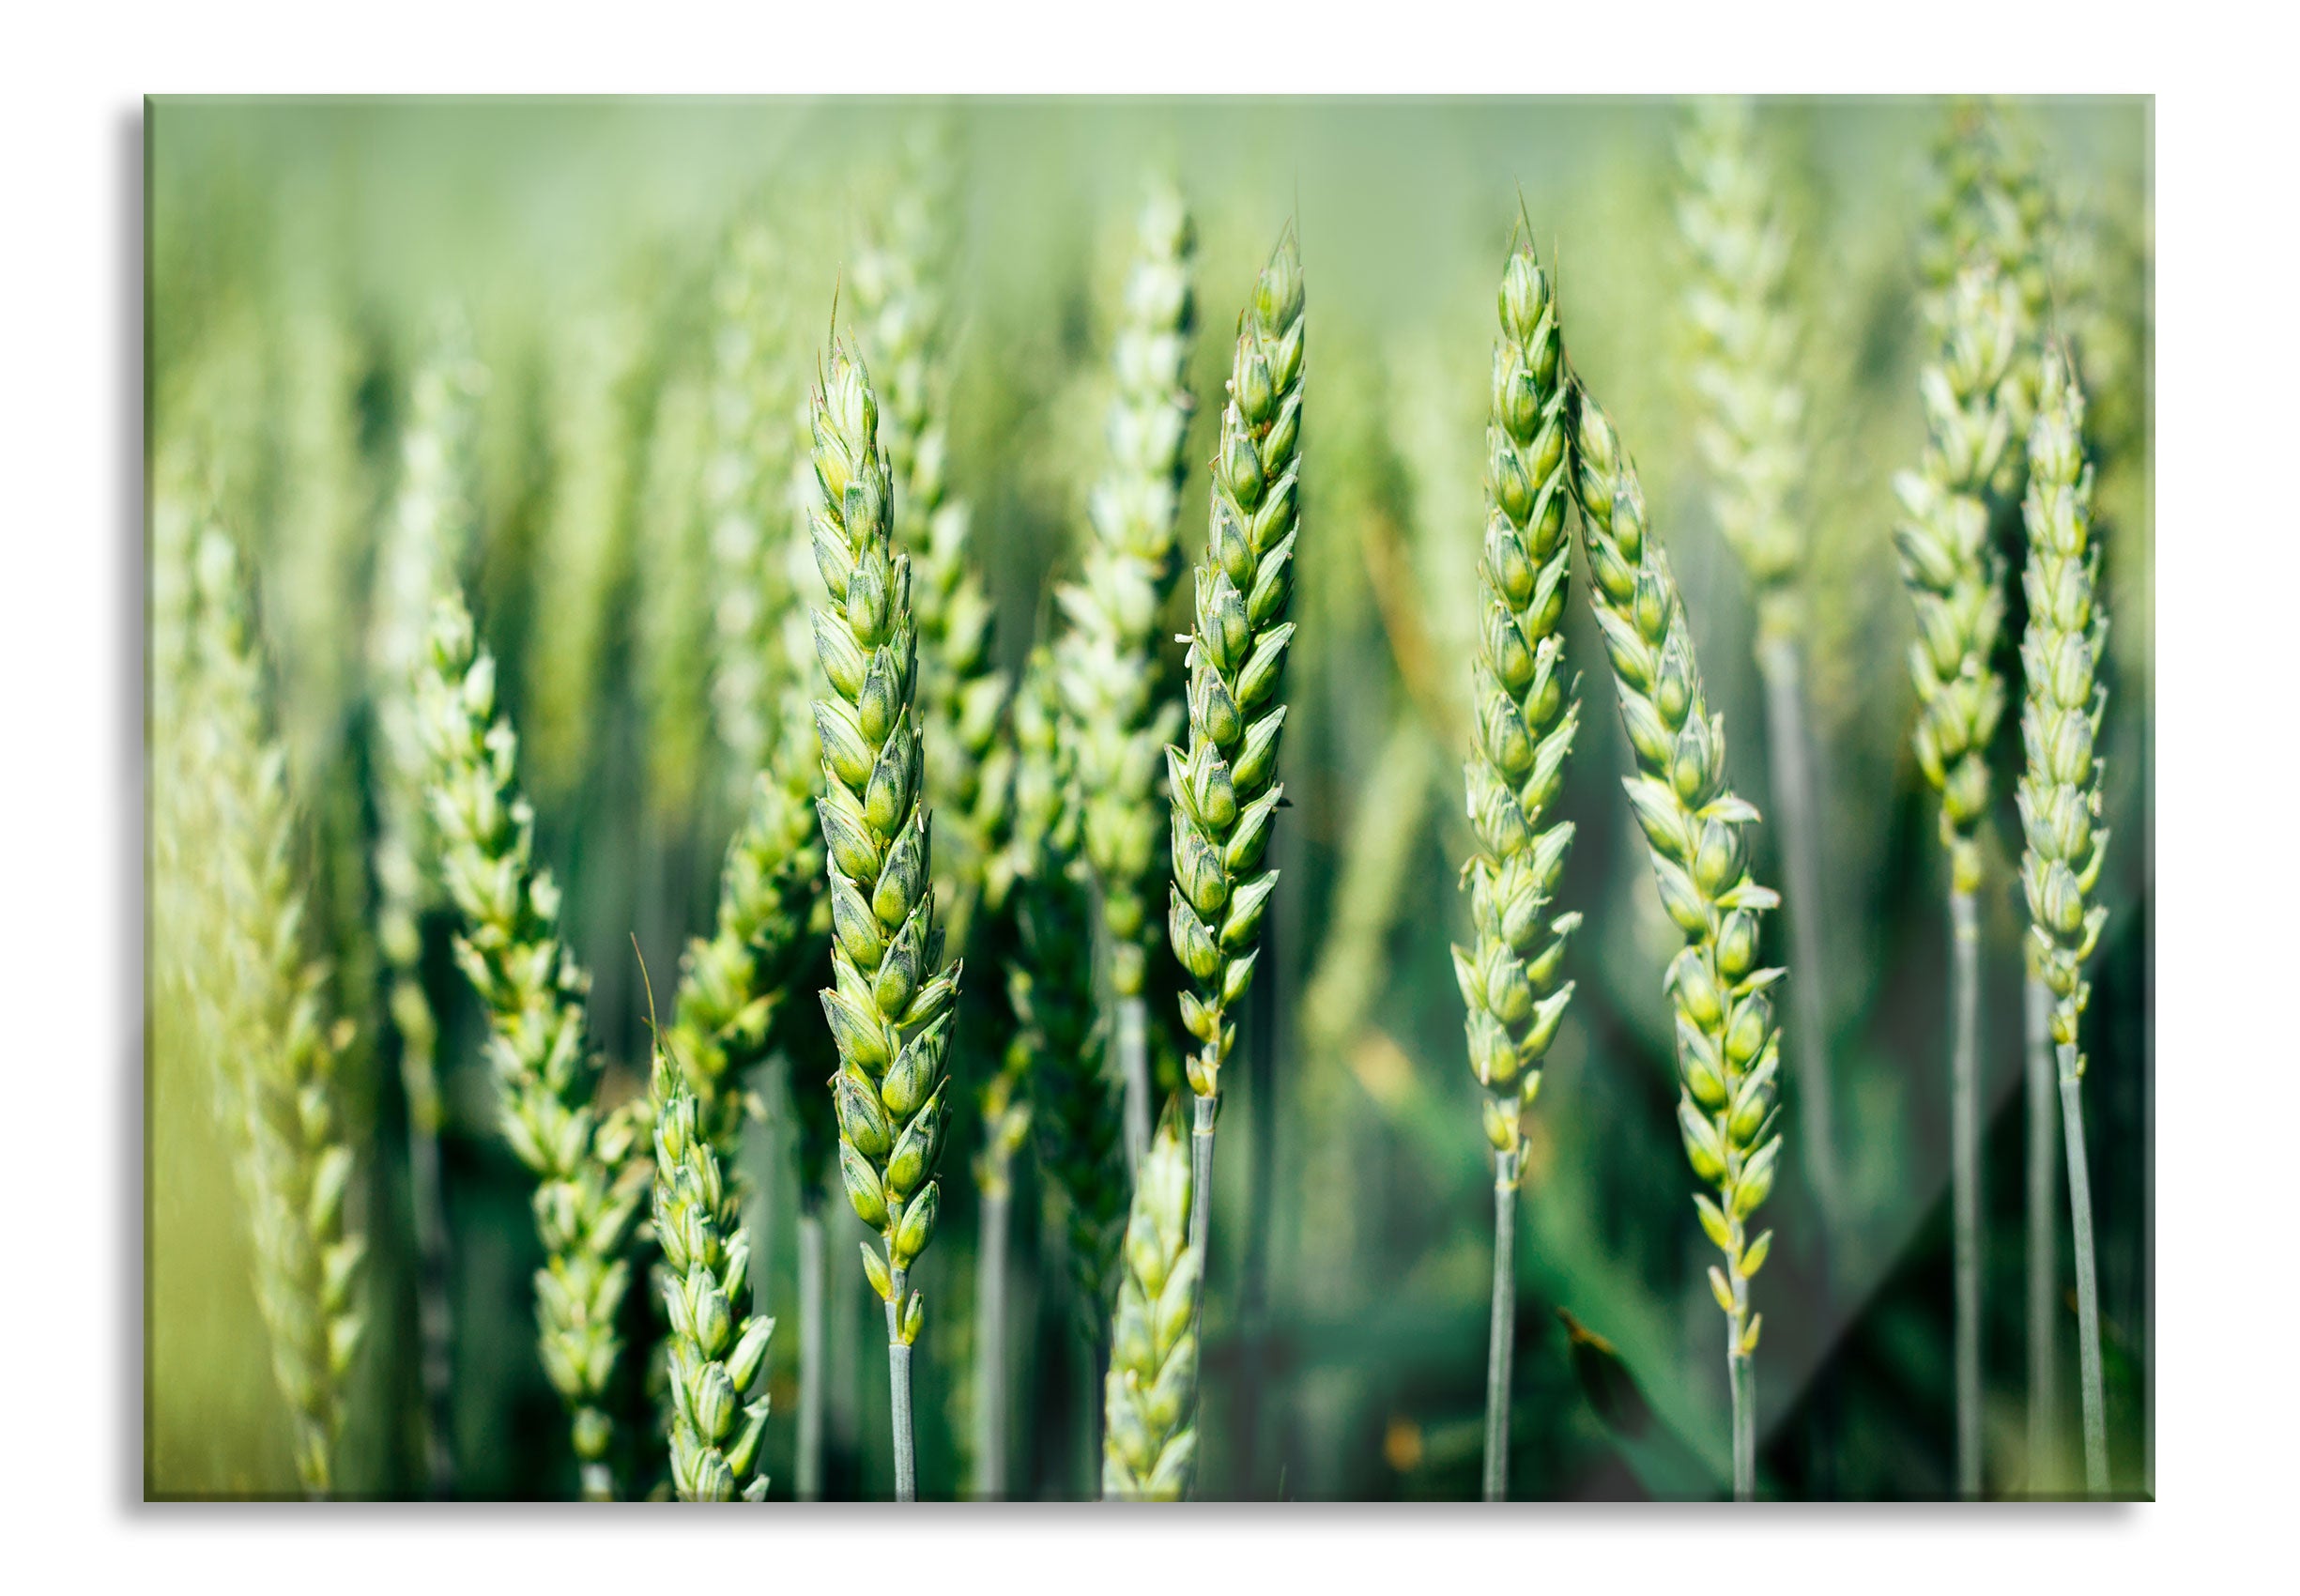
1003,625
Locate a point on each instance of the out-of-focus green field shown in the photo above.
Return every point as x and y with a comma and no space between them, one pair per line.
300,254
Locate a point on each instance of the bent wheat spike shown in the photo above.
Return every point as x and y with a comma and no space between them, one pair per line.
1728,1048
257,1006
1953,573
2060,805
1224,790
591,1171
1150,1395
1116,686
892,1002
1752,437
1525,720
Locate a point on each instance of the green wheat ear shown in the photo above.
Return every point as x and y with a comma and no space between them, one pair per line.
1224,790
589,1162
717,1349
1728,1048
258,1004
894,1002
2059,799
1526,721
1150,1395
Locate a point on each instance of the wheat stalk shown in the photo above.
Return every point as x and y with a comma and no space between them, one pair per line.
590,1172
902,314
1525,720
1751,438
892,1004
1955,574
1150,1395
1728,1048
425,539
2060,800
1223,791
1120,699
717,1349
258,1004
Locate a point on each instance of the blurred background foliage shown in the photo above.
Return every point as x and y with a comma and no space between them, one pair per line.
299,255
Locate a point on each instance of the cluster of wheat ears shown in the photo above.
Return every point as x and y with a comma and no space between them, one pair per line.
904,805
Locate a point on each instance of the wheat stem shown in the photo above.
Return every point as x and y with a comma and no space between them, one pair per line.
1788,746
1965,1178
1134,1077
1502,1330
2044,1233
2088,1284
990,1342
899,1391
808,1465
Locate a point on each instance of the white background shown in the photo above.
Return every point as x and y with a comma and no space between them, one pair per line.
70,739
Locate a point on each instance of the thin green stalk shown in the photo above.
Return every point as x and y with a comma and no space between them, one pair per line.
1119,693
893,1001
1527,717
2088,1284
1728,1048
1150,1395
899,1391
811,1260
2043,1232
1224,790
990,1342
1134,1076
2060,798
1965,1179
1501,1333
1789,747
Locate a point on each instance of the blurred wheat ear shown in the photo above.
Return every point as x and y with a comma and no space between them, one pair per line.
223,850
1150,1395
